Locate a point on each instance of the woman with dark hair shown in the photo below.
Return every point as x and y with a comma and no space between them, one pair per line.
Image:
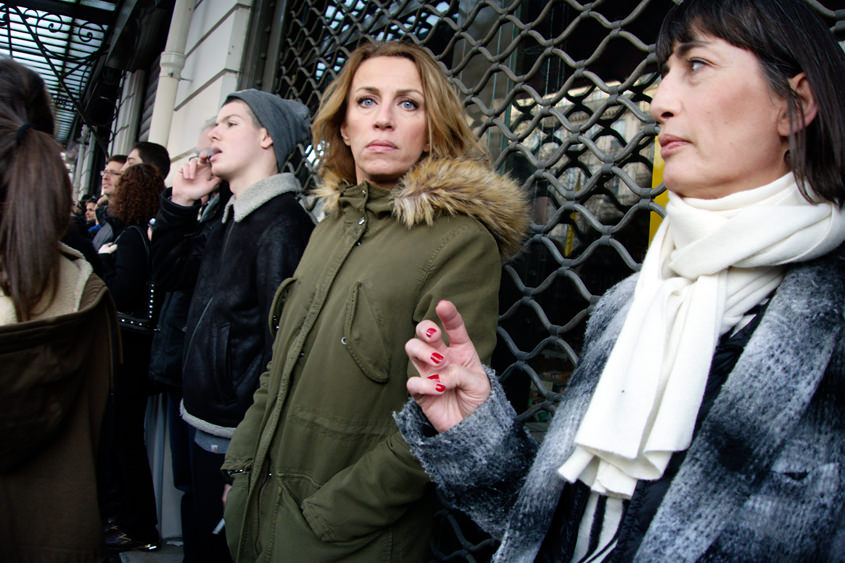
705,419
415,213
128,501
57,329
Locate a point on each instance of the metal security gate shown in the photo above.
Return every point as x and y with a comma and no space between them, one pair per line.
559,93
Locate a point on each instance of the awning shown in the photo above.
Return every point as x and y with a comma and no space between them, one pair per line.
62,40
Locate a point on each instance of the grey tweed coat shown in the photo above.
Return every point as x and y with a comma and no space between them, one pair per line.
763,480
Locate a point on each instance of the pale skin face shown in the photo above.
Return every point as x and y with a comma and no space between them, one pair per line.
90,211
134,157
241,152
722,128
385,124
238,151
111,173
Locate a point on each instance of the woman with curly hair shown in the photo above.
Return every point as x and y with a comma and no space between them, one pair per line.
128,501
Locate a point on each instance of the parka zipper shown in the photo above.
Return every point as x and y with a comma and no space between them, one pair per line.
265,480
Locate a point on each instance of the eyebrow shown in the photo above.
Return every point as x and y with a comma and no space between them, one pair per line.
225,117
402,92
680,50
683,48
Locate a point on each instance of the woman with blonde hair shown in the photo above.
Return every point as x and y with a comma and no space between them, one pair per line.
414,213
57,331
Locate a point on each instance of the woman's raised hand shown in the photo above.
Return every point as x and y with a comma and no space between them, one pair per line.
194,181
452,381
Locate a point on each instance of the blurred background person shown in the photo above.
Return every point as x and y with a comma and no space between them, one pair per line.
90,204
142,152
110,176
149,153
128,498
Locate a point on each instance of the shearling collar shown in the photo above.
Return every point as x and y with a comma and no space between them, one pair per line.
453,187
74,272
258,194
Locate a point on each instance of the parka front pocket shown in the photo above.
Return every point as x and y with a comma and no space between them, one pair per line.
294,540
363,335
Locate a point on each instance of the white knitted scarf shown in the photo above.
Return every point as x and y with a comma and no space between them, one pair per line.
710,262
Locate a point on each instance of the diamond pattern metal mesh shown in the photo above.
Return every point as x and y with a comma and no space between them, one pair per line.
559,93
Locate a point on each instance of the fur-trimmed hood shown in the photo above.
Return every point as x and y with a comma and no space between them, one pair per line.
454,187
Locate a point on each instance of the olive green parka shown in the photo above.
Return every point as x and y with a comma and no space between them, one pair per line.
321,471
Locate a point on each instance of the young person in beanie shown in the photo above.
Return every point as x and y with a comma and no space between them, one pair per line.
234,266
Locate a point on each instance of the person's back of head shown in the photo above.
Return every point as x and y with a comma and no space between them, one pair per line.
35,190
155,154
137,195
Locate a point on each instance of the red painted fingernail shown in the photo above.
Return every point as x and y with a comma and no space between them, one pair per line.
440,388
435,377
430,331
436,358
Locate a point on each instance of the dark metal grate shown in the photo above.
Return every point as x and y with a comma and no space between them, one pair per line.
559,93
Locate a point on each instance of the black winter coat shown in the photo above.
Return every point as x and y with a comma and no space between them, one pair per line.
234,266
169,337
126,272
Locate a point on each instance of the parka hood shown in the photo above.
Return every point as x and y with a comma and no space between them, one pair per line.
453,187
47,364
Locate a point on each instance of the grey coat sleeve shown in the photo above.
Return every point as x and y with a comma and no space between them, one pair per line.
480,464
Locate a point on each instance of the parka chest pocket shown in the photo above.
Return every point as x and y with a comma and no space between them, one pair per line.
279,304
363,335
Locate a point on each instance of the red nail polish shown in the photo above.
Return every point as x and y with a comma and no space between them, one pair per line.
429,332
435,377
440,388
436,358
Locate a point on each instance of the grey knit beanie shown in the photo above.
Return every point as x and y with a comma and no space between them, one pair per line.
285,120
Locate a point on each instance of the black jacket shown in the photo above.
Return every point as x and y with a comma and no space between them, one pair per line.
126,272
234,266
169,337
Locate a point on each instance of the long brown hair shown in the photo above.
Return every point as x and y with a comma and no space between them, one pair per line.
135,199
449,134
35,191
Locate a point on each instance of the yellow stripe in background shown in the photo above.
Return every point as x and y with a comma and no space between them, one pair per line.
663,198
